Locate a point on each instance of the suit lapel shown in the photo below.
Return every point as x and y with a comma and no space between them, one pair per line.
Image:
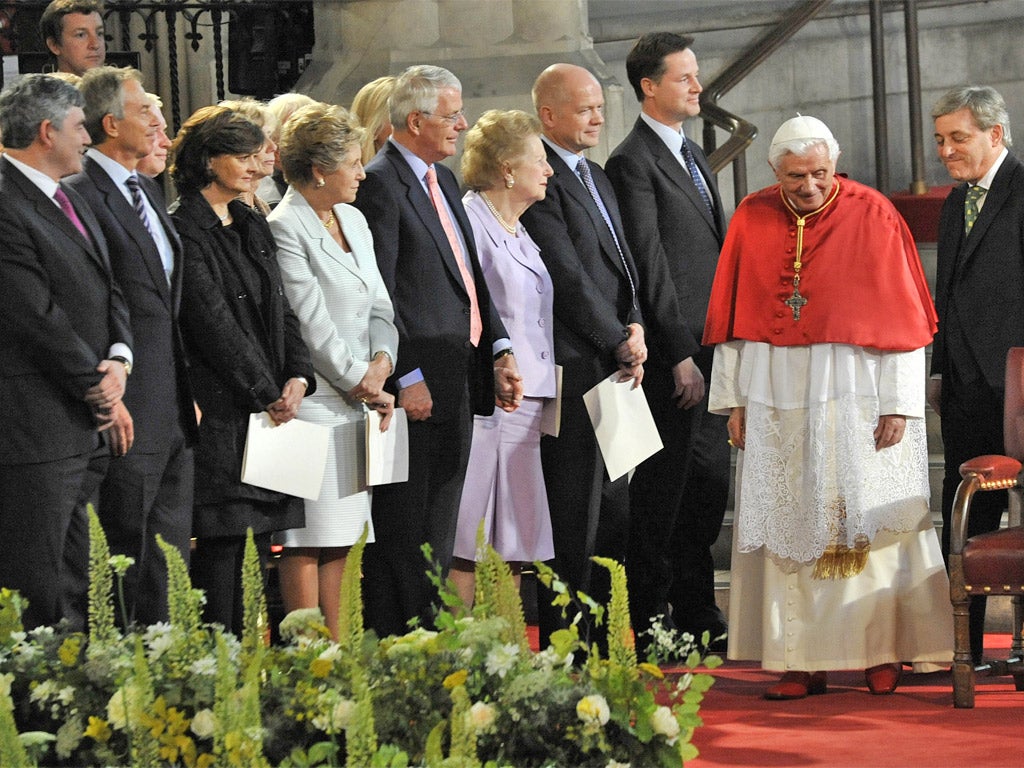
674,170
995,199
159,204
573,186
315,232
421,203
126,216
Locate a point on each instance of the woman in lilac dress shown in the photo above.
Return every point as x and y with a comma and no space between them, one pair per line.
505,167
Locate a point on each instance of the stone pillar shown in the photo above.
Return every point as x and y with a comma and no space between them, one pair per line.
495,47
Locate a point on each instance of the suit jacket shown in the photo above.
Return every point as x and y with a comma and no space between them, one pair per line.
340,299
158,394
593,300
422,276
674,238
244,343
521,291
979,290
60,311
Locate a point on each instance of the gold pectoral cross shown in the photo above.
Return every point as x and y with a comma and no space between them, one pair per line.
796,301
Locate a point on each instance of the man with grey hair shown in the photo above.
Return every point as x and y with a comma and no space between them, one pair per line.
454,356
65,352
820,311
147,491
979,295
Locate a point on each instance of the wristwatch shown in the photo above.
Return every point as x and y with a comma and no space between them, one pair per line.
123,361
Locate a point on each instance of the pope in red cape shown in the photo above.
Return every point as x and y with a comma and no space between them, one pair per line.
820,313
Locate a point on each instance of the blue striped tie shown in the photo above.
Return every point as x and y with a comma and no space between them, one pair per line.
698,180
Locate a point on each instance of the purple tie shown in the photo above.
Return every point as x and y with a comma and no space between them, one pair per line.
69,210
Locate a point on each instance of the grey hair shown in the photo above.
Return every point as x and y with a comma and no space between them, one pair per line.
988,109
24,105
103,91
801,147
417,90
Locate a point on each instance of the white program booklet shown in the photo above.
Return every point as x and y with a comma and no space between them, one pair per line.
387,453
289,457
623,425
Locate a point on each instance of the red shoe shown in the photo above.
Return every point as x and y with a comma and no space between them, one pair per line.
883,678
797,685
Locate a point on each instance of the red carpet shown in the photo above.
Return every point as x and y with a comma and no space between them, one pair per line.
917,727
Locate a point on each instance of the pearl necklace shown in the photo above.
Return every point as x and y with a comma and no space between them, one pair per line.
510,228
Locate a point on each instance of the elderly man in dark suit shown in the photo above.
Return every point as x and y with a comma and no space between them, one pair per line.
147,491
674,223
979,295
454,356
598,328
65,352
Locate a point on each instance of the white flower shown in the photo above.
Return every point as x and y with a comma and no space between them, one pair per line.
204,724
66,695
342,714
159,645
665,723
332,653
5,684
482,716
204,666
500,660
615,764
593,710
42,692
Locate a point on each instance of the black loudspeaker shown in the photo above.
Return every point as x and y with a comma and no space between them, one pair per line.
253,53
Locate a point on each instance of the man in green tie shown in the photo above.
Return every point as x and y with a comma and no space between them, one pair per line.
979,295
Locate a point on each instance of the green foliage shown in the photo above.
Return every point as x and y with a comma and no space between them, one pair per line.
468,694
255,624
102,630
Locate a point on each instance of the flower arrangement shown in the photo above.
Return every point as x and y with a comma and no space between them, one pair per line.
467,694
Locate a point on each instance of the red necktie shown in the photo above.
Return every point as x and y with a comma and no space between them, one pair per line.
475,325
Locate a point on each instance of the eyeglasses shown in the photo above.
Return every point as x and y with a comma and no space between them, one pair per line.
451,119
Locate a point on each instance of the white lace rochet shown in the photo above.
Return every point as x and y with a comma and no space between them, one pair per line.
810,475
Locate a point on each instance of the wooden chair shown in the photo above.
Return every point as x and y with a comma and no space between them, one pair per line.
990,564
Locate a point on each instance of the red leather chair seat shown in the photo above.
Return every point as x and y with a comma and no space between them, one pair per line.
995,560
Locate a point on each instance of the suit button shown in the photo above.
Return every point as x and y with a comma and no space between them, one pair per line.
541,322
545,355
540,287
465,310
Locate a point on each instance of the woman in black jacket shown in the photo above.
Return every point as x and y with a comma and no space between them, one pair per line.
246,352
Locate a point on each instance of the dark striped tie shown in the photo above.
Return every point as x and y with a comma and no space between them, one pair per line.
132,182
698,180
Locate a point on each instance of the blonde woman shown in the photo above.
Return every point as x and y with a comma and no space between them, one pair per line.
370,107
331,279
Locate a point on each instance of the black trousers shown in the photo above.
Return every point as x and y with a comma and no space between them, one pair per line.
972,425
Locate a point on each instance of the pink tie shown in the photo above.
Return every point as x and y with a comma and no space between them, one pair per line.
69,210
475,326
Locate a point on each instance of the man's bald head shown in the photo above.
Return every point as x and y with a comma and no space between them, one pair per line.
570,104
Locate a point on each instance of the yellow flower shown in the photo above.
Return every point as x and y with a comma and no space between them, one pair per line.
593,710
98,730
320,667
456,679
69,650
653,670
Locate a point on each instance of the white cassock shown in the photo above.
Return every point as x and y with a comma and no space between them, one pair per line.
809,476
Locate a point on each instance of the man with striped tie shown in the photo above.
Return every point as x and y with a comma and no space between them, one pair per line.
147,491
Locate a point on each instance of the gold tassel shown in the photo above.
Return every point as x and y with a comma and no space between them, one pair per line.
842,562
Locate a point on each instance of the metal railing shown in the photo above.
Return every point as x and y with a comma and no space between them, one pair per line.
742,132
274,38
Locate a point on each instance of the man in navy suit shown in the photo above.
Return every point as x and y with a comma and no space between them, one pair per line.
147,491
979,295
598,329
454,356
65,352
675,229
